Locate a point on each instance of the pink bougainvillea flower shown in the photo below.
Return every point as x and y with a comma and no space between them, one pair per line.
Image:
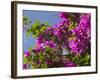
69,63
26,54
50,43
49,62
25,66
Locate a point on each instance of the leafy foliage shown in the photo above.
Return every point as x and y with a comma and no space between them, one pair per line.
26,20
36,29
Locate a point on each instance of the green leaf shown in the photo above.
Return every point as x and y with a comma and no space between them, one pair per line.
28,33
85,60
41,57
26,20
25,60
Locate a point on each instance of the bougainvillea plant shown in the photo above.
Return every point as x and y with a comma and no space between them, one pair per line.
72,35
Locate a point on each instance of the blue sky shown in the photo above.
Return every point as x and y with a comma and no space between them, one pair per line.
43,16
